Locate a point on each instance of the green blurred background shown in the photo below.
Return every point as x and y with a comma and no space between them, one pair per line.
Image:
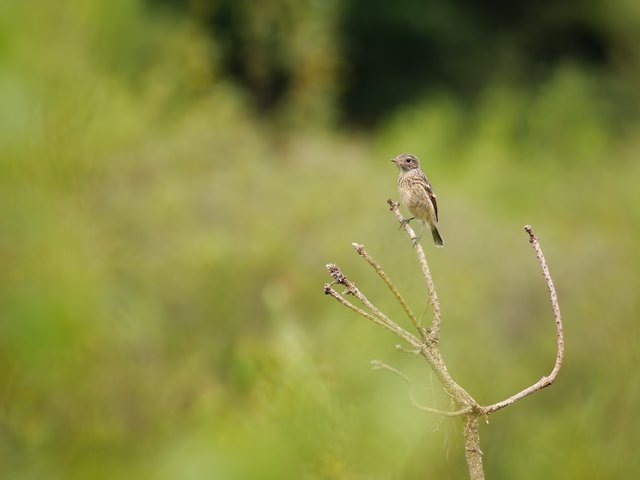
174,175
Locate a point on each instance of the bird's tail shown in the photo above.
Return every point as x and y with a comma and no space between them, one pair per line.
437,239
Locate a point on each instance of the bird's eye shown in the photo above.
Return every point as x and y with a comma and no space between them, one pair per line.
408,160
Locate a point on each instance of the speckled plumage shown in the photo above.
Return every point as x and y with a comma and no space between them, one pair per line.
417,195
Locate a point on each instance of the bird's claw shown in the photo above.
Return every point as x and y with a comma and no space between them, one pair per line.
404,222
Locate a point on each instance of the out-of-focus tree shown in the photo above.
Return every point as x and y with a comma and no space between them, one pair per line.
370,57
402,52
284,52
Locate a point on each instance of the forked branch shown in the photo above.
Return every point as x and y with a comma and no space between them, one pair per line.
426,343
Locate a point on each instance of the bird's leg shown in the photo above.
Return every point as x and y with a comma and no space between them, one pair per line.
417,239
405,221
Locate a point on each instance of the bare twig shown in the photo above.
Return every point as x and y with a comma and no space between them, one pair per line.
380,318
330,291
433,296
364,254
400,348
379,365
547,380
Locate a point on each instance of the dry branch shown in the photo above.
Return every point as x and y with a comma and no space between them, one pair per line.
433,296
548,380
426,344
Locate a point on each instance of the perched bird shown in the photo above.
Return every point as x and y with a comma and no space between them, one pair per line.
417,195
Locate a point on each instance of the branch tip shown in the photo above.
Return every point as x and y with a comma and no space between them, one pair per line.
336,273
529,230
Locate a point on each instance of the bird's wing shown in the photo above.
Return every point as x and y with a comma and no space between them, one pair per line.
432,196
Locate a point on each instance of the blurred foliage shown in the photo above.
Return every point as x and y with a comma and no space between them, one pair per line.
285,53
163,240
388,57
460,46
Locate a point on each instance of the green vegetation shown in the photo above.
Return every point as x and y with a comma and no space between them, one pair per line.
163,237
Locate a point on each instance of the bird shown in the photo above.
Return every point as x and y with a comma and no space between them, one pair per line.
417,196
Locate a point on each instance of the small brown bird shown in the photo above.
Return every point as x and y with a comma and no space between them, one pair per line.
417,195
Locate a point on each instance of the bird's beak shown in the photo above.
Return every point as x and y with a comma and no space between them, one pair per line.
393,160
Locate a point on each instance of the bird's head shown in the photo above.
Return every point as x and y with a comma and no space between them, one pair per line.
406,162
